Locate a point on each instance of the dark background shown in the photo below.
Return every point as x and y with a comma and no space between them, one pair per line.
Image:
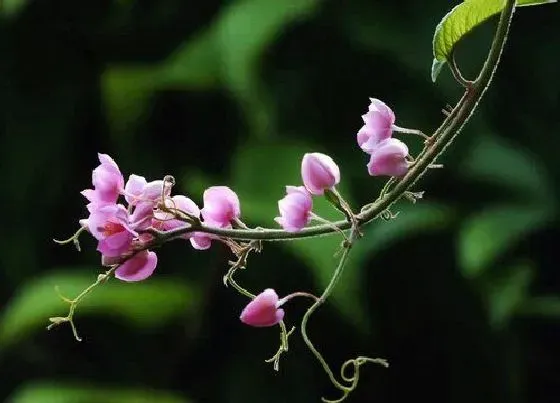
460,293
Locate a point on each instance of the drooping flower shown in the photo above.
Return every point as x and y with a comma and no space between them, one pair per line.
295,209
201,241
389,159
139,267
107,181
109,224
319,172
264,310
221,206
378,125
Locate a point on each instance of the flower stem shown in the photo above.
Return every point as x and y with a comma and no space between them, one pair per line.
55,321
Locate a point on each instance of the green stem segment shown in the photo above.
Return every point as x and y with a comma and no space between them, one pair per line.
330,287
350,380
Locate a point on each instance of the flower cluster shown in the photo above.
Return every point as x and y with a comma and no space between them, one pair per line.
387,154
123,230
129,219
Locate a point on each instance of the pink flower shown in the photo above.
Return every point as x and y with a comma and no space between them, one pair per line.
221,206
166,221
379,121
319,172
295,209
138,267
263,310
107,180
389,159
109,224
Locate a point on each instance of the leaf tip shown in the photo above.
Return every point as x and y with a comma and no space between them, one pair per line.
437,65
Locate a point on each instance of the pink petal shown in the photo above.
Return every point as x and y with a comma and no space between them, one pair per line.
262,310
137,268
221,205
134,188
389,159
142,215
153,191
200,241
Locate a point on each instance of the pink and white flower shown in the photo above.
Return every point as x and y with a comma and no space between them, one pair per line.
107,181
319,172
295,209
389,159
378,126
109,224
221,206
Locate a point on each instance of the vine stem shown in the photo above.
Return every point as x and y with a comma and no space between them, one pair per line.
326,293
55,321
440,140
443,136
457,73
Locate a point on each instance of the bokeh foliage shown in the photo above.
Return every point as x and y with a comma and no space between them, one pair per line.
460,292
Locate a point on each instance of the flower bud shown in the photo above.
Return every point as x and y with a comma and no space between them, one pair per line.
295,209
389,159
319,172
263,310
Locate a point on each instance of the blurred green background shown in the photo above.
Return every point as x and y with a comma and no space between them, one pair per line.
460,293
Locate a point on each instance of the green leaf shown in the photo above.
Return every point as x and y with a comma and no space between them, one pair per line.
11,8
507,294
195,65
547,306
47,392
244,31
487,234
127,89
226,53
495,160
461,20
437,65
151,303
126,92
